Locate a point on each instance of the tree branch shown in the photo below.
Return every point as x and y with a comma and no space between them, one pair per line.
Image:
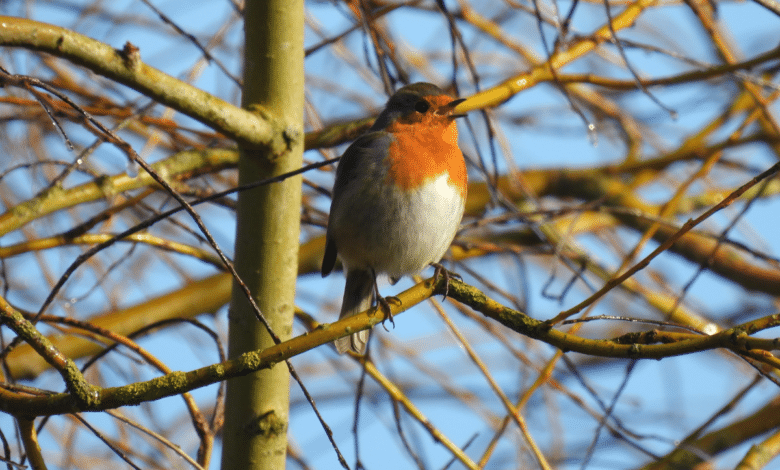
250,129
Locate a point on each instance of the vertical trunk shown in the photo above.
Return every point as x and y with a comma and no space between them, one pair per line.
256,415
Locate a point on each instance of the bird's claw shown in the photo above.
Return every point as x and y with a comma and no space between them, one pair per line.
442,272
384,305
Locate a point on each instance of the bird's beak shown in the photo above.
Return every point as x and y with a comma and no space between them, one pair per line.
448,108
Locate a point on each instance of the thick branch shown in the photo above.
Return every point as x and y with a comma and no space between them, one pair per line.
253,130
178,382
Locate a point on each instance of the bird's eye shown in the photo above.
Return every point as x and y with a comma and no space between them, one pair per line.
421,106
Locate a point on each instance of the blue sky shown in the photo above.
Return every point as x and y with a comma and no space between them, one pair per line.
662,400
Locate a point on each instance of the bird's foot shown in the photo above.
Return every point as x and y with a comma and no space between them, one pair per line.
384,305
441,272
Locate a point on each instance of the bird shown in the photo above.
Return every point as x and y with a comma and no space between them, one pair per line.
398,199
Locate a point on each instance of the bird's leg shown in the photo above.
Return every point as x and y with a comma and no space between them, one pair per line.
447,275
384,304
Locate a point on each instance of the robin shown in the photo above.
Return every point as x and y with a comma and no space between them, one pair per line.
398,198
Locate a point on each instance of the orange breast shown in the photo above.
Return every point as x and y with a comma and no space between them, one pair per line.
424,150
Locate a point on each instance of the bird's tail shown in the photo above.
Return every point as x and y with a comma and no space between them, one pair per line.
357,298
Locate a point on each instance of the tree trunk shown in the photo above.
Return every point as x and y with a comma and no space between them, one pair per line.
267,237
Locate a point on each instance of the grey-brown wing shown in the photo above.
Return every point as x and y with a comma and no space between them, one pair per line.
364,153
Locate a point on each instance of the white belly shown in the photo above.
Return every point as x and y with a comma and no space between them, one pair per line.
398,233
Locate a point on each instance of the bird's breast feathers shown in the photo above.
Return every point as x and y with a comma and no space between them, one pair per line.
416,158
